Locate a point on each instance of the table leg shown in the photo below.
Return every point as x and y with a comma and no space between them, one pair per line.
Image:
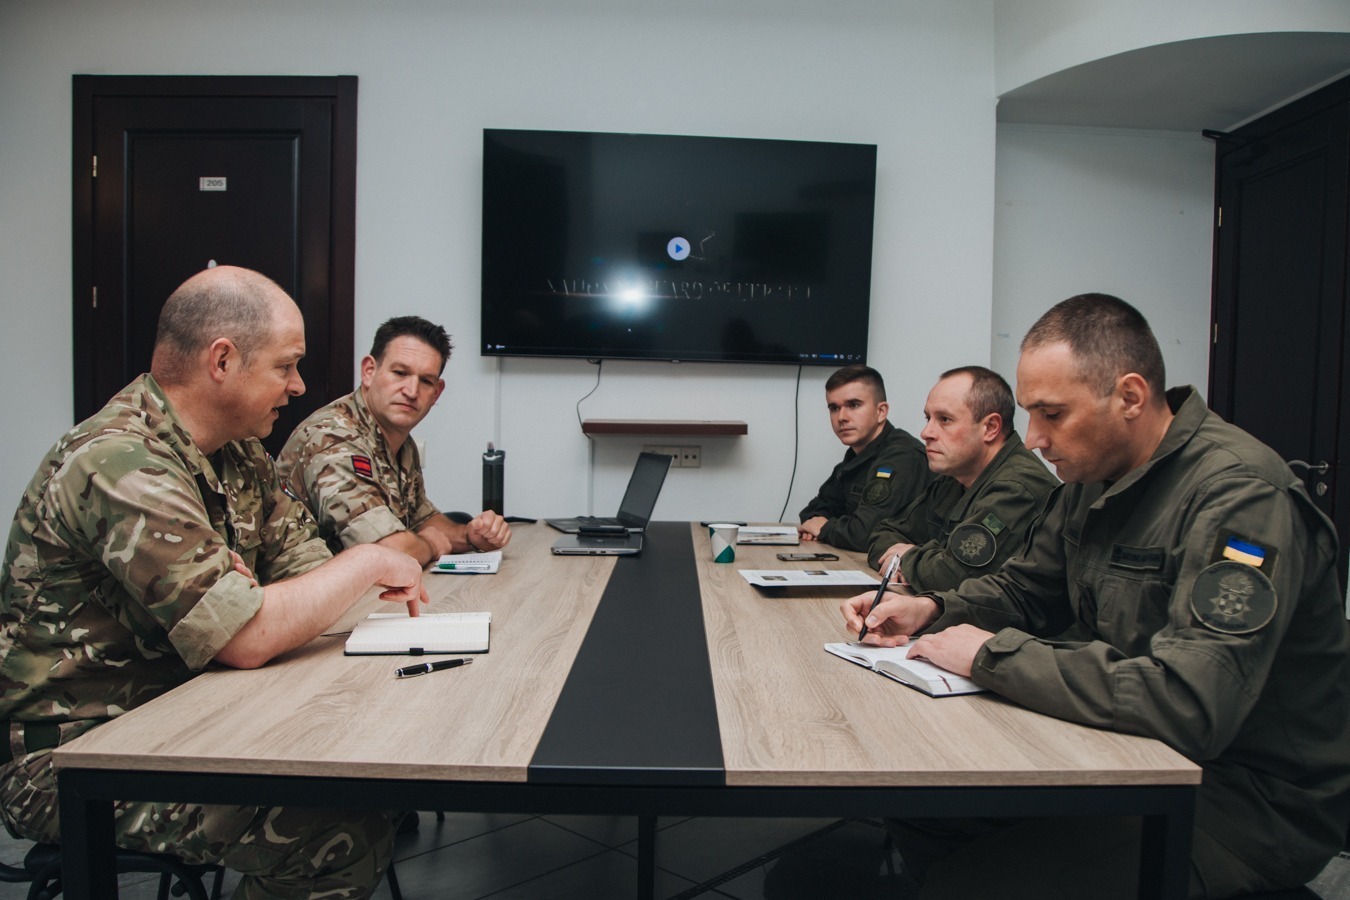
1165,855
88,867
646,857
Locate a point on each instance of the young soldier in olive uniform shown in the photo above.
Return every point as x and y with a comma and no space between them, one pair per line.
1201,580
883,470
979,511
353,465
154,539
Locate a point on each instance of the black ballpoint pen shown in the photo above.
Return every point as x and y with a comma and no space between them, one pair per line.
424,668
881,591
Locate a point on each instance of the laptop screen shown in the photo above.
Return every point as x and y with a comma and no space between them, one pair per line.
643,488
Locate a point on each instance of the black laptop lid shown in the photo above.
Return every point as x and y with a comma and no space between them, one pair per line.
639,501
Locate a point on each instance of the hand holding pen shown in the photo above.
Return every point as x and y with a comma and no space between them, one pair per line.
886,577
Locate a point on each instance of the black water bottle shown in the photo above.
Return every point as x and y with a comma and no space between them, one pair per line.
494,479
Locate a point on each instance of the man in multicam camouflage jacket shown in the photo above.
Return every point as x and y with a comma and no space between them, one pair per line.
154,539
352,464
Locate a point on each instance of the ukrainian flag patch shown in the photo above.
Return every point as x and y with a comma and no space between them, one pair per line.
1229,546
1244,552
884,472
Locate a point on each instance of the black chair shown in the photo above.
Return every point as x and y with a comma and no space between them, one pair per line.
41,871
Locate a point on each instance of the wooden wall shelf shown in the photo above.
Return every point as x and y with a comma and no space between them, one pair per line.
665,426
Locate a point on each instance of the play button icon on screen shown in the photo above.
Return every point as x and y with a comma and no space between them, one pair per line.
678,248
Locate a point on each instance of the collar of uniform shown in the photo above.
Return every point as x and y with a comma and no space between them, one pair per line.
1010,446
1188,412
853,457
958,511
164,421
369,425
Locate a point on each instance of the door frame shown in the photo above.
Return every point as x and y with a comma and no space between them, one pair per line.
341,275
1223,312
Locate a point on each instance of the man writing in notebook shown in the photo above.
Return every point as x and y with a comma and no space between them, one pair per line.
989,489
356,468
155,539
882,472
1183,586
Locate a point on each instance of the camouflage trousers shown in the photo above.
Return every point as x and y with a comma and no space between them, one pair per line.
284,853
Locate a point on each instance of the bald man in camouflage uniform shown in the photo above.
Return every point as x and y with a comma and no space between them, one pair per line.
155,539
355,468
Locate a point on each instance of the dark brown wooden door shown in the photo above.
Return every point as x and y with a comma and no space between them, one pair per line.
1280,350
175,173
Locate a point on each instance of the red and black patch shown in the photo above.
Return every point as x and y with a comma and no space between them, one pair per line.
362,466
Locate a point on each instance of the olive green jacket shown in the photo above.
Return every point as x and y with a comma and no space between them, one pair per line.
1206,612
960,533
869,486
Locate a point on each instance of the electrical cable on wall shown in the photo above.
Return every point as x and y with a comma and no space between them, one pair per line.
590,461
796,440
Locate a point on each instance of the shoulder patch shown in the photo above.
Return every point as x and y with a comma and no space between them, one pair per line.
973,544
362,466
993,523
877,489
1238,548
883,472
1233,598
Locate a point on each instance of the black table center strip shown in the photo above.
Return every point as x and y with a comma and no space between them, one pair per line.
638,705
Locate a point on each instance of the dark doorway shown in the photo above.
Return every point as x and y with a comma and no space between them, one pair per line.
1280,324
172,173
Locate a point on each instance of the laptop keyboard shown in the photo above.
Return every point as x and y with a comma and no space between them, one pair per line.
597,520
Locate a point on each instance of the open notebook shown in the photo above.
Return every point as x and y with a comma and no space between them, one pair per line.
894,662
429,633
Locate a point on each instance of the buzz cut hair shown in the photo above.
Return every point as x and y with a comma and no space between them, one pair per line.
1108,338
858,372
232,305
989,393
433,336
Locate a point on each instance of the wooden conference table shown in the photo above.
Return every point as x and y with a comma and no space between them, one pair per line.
657,684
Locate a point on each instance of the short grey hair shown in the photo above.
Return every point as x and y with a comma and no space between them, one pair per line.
235,304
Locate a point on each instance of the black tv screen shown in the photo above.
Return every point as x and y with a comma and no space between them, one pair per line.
640,246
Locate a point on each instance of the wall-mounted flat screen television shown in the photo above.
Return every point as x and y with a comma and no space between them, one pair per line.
641,246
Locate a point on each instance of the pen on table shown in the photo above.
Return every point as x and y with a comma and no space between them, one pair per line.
464,567
881,591
424,668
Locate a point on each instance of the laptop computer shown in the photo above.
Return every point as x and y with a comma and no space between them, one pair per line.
644,486
598,545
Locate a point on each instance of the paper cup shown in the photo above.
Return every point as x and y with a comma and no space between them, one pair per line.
723,542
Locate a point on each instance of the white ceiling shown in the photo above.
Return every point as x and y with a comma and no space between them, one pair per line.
1213,82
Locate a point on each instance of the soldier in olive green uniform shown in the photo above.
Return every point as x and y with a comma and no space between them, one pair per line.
154,539
1199,580
353,465
990,488
883,470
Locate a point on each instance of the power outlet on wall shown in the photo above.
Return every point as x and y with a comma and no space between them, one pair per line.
680,457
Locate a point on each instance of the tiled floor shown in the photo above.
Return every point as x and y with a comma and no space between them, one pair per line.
511,857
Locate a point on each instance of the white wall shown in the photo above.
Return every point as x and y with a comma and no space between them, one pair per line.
1108,210
1035,38
915,78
